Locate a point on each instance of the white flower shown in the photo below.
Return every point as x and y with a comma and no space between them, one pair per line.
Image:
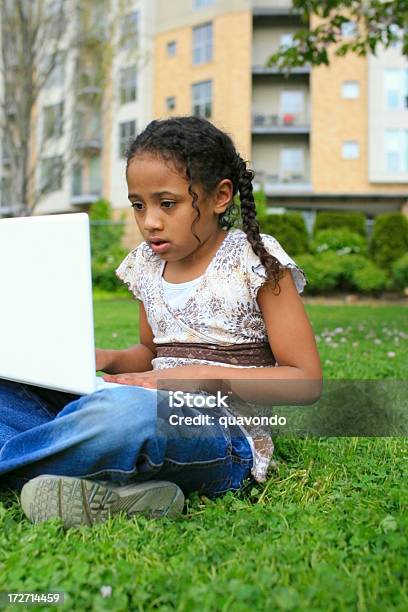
114,335
328,339
343,340
106,591
377,341
338,330
390,354
355,344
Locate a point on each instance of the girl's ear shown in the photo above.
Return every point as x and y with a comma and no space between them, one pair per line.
223,196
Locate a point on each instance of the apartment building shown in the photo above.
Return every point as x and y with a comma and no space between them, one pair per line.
327,138
88,109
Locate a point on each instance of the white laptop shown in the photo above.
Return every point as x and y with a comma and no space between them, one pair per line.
46,309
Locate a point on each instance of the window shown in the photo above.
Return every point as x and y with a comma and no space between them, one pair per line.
202,43
127,130
129,30
202,99
291,161
396,150
350,90
291,102
349,29
51,174
95,175
77,179
350,149
170,103
56,18
57,75
128,84
396,88
53,121
199,4
171,48
286,40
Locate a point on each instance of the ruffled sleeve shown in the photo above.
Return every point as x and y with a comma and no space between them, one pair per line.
128,272
256,271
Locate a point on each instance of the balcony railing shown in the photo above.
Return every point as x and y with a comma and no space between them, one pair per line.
284,123
282,181
85,196
262,69
90,145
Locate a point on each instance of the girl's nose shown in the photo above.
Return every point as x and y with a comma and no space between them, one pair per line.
152,221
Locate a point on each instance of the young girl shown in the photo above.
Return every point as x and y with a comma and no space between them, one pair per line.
219,312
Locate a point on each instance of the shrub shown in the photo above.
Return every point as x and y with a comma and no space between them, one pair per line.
389,240
370,279
355,222
342,241
323,273
107,250
330,272
400,272
288,228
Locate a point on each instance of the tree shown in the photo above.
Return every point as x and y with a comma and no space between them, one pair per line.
31,34
371,24
39,39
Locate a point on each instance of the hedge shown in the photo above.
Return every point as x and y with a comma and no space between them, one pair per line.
355,222
389,240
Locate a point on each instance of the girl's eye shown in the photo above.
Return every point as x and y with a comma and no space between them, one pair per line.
168,202
137,205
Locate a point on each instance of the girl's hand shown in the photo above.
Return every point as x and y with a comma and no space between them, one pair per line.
184,378
140,379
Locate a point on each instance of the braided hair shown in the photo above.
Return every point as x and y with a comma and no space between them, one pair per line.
206,156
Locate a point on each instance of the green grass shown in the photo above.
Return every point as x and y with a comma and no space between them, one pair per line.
326,532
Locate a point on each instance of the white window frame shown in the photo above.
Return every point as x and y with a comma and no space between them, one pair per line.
401,150
350,149
396,83
297,99
57,121
203,41
288,154
128,84
56,78
125,134
202,99
350,90
53,165
129,33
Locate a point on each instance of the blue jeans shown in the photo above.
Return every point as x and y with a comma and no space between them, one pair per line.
120,434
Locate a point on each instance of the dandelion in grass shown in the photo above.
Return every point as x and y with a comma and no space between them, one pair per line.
106,591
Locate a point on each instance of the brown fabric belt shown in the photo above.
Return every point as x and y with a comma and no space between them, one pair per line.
245,354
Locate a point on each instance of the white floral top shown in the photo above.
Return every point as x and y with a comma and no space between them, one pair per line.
222,310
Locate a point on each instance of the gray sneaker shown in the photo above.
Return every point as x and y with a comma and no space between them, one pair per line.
83,502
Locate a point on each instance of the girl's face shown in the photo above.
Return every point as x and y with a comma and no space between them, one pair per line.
163,207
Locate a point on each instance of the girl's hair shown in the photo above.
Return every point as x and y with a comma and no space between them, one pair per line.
206,156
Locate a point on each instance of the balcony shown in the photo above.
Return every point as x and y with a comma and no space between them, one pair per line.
288,123
89,145
274,70
282,182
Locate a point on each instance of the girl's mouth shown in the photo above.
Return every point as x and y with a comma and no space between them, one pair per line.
160,247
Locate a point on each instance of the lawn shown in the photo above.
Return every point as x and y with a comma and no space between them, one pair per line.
328,531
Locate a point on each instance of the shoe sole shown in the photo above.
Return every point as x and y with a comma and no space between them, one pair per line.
84,502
